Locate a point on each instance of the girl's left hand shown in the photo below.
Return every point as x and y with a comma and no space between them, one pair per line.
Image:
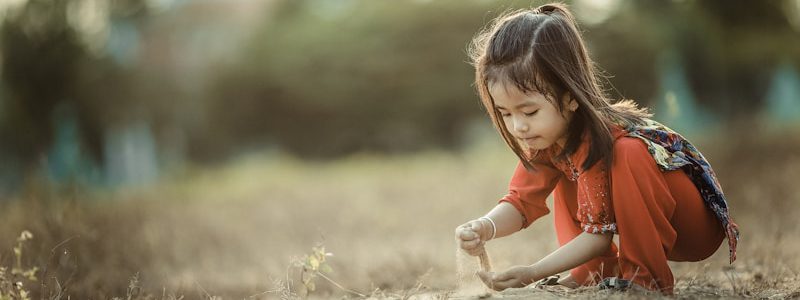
515,277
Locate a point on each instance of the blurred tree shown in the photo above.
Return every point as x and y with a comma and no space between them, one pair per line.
48,61
39,62
731,48
326,80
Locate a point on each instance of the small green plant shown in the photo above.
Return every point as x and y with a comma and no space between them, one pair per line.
315,265
13,288
18,270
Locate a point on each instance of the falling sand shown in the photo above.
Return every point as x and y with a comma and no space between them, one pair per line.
469,286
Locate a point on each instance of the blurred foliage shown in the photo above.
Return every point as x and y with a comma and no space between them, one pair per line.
376,76
40,57
48,72
324,79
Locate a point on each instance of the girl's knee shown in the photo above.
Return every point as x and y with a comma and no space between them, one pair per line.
696,251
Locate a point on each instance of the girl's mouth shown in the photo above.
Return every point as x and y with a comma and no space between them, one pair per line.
529,140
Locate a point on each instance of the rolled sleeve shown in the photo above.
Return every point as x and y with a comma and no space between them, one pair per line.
528,191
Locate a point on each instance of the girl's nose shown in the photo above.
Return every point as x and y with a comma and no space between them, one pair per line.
520,125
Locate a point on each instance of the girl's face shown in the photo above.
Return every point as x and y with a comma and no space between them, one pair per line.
530,117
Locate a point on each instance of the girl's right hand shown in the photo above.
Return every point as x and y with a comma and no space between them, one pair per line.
471,236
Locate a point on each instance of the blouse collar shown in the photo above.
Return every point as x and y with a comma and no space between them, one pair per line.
576,159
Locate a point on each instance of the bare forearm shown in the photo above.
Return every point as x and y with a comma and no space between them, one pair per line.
507,218
578,251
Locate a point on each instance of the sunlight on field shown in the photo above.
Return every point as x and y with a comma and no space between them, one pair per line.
235,230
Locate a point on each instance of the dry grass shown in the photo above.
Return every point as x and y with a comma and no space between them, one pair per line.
234,231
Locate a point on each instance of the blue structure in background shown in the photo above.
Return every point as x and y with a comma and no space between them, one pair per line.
783,96
66,162
131,156
676,106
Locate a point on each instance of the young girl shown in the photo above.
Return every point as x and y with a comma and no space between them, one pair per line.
613,170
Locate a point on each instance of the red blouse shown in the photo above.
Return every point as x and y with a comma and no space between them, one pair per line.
528,191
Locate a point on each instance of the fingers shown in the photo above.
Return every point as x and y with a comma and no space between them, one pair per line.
479,228
504,276
473,248
475,225
500,281
486,278
490,280
468,234
470,244
510,283
469,240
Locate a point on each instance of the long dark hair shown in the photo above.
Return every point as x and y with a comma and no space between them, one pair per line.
542,50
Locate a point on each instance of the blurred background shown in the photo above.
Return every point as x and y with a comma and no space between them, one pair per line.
203,144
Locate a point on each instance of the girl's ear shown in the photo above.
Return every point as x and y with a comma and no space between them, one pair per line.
572,104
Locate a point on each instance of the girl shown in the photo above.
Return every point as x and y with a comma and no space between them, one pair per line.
613,170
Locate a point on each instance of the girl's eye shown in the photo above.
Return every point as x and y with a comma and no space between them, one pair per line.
532,113
505,114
